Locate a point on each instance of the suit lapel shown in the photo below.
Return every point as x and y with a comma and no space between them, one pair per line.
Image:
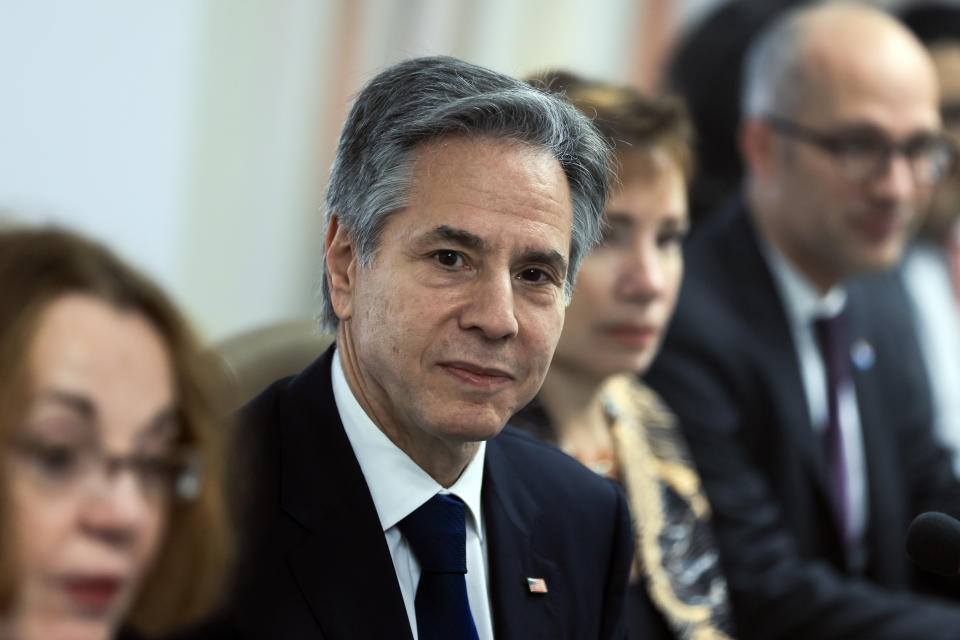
343,567
510,516
770,327
884,529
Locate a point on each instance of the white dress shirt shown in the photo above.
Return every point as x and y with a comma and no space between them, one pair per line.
398,487
803,305
926,276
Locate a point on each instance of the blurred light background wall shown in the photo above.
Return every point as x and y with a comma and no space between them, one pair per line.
195,136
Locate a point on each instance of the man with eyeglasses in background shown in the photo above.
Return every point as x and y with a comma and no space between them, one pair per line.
931,267
792,361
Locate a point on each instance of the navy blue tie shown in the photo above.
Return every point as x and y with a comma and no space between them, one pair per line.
437,533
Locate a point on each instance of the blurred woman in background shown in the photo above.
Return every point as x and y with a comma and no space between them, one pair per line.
111,514
592,404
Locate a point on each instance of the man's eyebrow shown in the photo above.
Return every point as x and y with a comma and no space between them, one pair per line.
548,257
460,237
862,127
446,233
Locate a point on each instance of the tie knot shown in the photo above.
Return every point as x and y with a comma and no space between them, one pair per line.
437,533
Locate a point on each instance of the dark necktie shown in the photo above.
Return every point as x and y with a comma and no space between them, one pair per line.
834,347
437,533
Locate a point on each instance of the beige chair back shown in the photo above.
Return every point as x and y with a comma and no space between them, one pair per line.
254,359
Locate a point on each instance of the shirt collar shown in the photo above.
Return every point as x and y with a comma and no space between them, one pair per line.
803,302
397,484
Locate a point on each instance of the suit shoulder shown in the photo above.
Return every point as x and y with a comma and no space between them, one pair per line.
252,439
264,402
522,443
289,397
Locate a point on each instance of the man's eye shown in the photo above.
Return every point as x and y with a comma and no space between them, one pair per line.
449,258
533,275
861,145
924,146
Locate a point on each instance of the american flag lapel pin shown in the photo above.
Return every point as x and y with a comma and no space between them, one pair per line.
537,585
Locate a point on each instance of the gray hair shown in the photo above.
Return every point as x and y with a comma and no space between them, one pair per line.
773,70
424,99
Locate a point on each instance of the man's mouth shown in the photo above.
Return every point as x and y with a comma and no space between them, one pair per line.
477,375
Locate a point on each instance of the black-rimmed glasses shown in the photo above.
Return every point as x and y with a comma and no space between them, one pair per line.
865,154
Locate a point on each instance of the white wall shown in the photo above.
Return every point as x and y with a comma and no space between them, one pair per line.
92,115
195,136
252,199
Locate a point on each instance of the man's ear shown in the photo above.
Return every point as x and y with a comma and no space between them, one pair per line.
757,147
341,262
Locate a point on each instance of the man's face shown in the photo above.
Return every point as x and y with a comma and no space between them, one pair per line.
833,226
454,324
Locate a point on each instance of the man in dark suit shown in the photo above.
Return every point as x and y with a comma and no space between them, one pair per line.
380,495
797,383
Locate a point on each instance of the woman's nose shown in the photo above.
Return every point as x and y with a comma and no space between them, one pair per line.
641,275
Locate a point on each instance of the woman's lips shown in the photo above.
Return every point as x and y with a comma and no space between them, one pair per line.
95,594
634,336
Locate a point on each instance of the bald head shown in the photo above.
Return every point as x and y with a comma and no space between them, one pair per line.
841,138
806,57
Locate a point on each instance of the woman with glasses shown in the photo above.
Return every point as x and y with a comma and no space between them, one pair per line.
592,404
111,516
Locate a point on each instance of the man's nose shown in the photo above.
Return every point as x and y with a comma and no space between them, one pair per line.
491,307
897,180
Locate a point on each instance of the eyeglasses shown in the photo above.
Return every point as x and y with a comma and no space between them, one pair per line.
80,470
865,154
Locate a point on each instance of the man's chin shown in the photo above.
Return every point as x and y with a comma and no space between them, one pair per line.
472,433
864,256
472,424
879,260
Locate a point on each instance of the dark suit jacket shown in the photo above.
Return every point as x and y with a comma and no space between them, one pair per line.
730,371
313,561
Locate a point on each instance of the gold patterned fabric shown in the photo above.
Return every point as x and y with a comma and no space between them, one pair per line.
675,551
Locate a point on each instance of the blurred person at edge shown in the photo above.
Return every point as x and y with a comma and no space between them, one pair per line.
591,404
112,519
931,267
791,361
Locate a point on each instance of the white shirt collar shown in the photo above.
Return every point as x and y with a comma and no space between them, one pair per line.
397,484
803,302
